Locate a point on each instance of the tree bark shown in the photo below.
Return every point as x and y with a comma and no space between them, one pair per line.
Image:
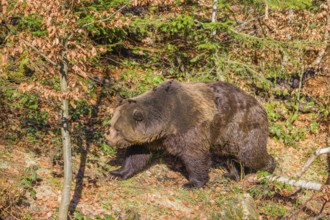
66,140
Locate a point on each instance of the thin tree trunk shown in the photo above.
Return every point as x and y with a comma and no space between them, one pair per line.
214,14
66,191
266,10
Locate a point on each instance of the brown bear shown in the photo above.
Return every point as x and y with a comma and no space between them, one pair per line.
191,121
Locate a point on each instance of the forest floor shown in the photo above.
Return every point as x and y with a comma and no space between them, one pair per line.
155,193
31,176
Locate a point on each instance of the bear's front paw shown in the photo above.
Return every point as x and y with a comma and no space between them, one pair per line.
188,185
119,174
232,176
192,184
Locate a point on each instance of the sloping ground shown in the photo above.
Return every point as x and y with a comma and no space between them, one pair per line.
154,193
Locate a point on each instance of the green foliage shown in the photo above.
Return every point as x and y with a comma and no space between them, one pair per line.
33,119
140,27
181,25
274,210
100,33
29,179
19,71
282,122
82,109
32,23
109,150
140,83
223,26
33,122
187,42
262,190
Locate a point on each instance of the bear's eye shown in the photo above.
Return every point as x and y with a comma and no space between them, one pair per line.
137,115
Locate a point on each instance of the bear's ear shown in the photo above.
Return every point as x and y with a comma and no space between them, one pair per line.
137,115
119,99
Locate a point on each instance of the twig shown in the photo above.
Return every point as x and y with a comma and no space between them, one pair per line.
321,210
40,53
317,153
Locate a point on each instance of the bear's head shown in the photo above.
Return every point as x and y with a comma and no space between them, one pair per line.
139,120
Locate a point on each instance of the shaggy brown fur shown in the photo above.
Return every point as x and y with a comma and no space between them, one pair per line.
191,121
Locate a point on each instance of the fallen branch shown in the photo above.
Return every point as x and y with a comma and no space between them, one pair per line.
297,183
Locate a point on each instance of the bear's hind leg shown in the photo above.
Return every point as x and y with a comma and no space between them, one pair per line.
136,160
234,170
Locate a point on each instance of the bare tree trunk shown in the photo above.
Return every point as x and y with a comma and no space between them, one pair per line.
66,140
214,14
266,10
327,182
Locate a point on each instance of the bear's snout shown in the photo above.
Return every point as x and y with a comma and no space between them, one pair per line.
110,137
114,138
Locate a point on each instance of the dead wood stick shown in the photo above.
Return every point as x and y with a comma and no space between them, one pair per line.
297,183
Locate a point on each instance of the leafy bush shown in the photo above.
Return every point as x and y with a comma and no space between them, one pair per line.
29,179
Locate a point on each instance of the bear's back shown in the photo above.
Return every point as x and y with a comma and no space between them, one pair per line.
230,99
